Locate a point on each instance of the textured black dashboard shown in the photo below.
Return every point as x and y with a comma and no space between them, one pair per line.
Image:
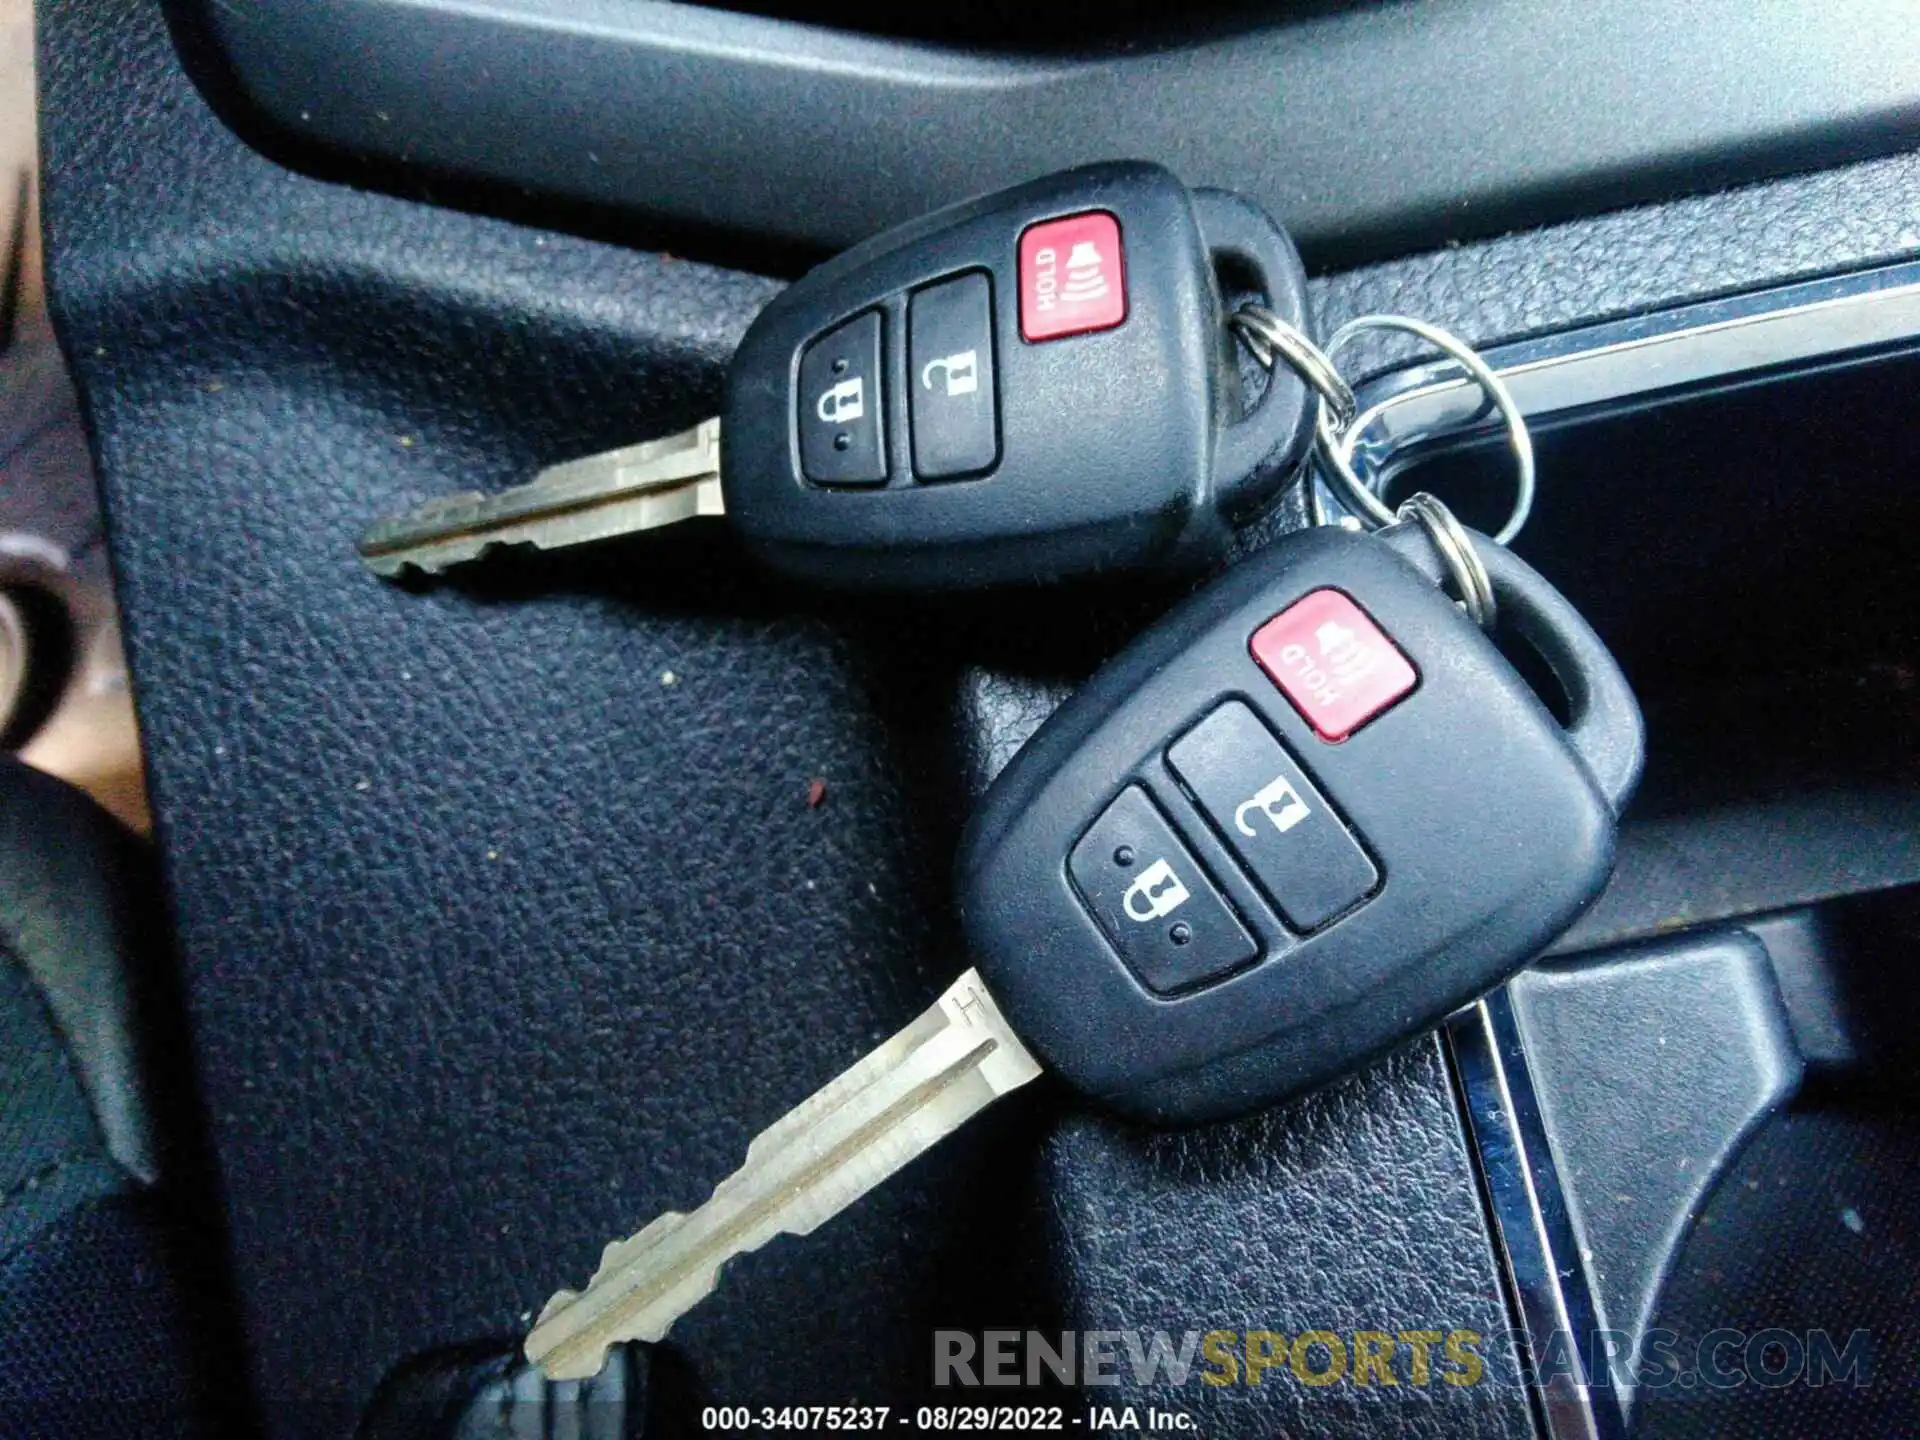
1632,261
504,918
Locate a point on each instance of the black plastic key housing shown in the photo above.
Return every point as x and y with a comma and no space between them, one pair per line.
1371,882
1054,391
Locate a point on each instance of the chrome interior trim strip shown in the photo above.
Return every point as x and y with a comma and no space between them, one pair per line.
1623,361
1532,1233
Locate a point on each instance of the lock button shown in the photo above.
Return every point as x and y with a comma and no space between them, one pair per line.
841,406
1152,900
954,411
1278,825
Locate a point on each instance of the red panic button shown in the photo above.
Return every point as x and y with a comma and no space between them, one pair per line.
1337,667
1073,277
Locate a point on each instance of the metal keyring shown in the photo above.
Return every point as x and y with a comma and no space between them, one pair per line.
1269,338
1458,553
1336,440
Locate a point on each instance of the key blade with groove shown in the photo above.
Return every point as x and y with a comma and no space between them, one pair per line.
621,492
911,1092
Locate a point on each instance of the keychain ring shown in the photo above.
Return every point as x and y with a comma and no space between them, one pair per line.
1270,338
1458,553
1336,440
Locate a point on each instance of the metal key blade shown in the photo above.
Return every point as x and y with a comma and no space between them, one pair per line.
621,492
913,1091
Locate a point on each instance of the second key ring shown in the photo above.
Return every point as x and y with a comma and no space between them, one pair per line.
1270,338
1336,439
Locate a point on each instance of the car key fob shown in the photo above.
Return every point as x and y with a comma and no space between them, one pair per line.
1021,388
1301,819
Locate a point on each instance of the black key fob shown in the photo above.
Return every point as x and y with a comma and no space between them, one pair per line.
1026,387
1301,819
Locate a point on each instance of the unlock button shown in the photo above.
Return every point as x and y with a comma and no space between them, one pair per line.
1269,812
956,431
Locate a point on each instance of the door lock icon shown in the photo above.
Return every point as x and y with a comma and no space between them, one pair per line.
843,402
1157,892
959,369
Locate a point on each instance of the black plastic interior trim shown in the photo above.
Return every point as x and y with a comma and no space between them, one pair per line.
1612,1047
1367,131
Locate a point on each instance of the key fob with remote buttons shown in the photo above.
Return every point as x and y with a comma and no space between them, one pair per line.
1298,821
1029,386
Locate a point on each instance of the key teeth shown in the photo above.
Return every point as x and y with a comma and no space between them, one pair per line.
582,1371
438,557
392,565
612,1256
620,1252
559,1301
433,563
588,1363
585,1365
